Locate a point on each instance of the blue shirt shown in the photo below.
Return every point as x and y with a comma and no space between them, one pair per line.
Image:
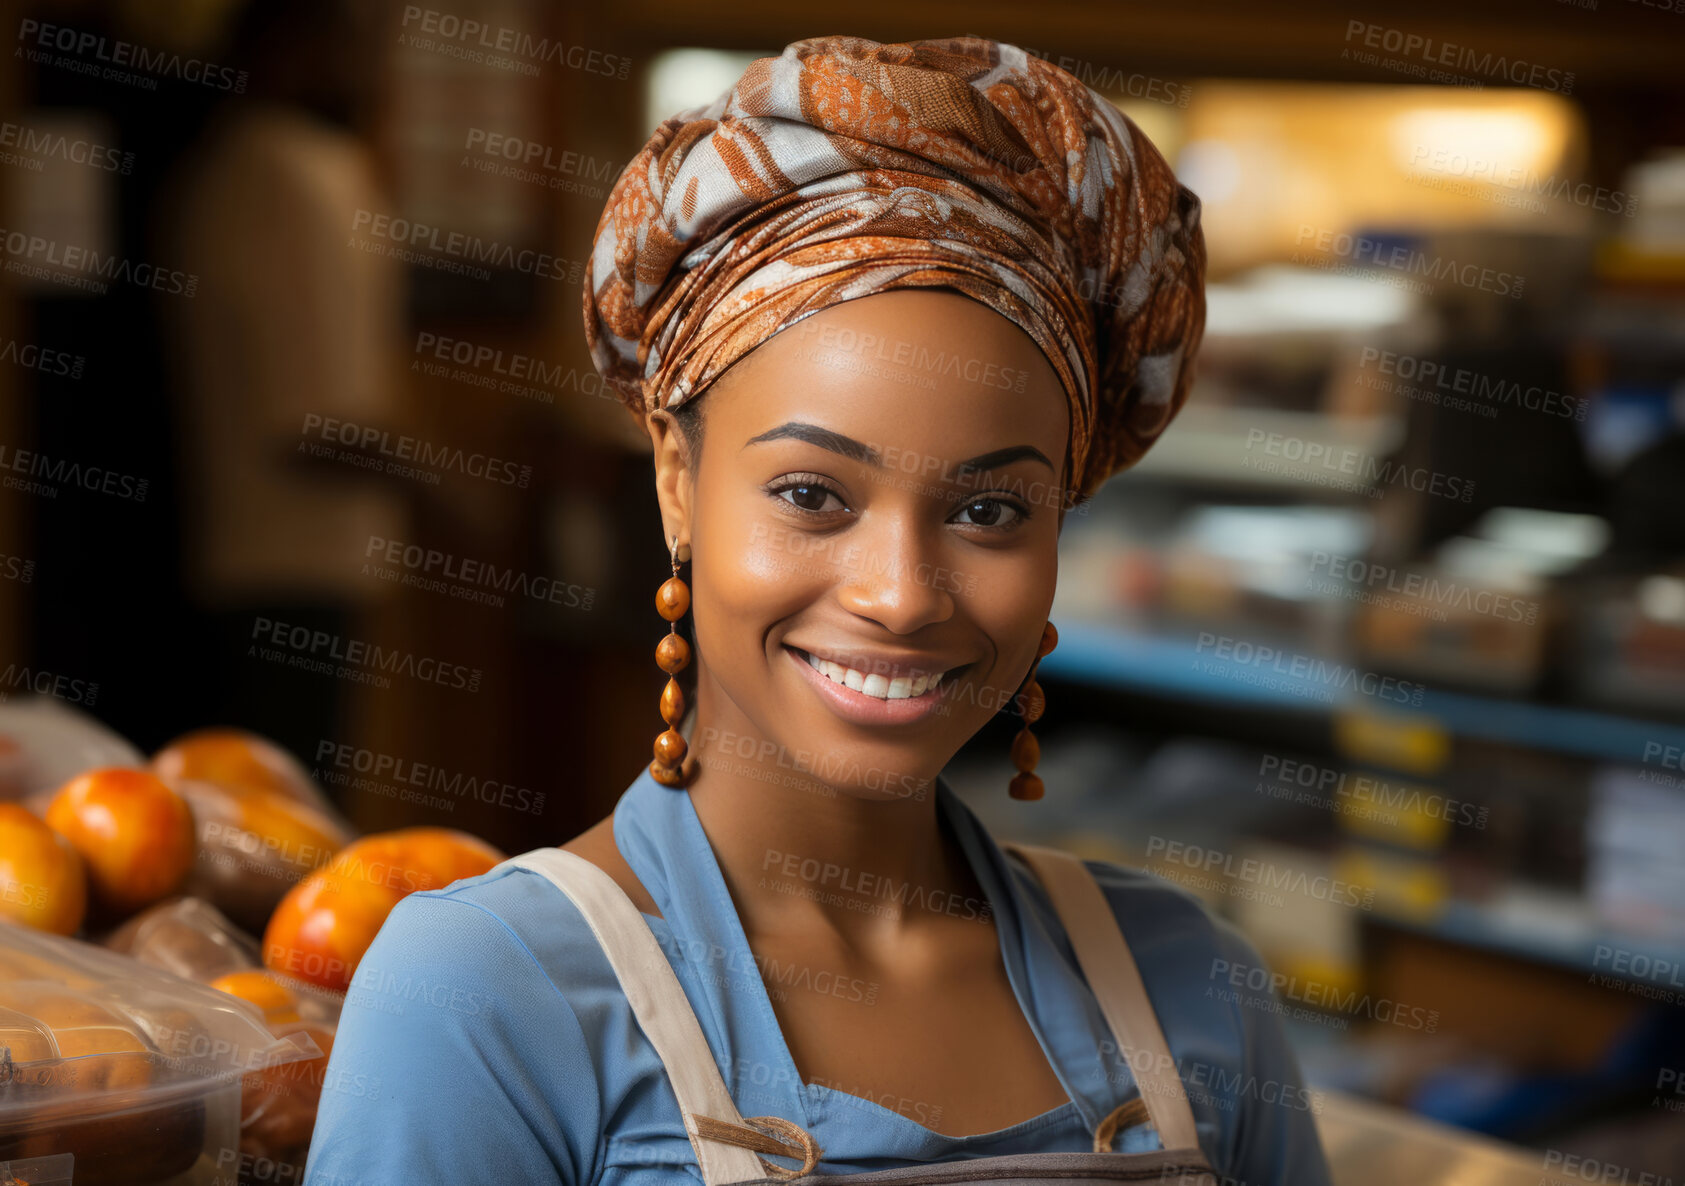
485,1038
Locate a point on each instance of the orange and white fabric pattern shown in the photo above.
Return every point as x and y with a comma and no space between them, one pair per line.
844,167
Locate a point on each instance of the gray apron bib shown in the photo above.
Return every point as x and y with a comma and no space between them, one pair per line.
729,1148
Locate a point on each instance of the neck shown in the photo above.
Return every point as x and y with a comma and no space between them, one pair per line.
799,851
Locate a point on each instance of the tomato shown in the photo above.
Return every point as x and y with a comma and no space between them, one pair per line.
324,925
42,883
278,1002
412,859
327,921
135,835
238,760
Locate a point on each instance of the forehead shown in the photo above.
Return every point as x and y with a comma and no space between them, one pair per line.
925,369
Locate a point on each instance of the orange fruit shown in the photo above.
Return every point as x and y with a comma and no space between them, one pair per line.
278,1002
238,760
134,834
323,926
42,884
326,922
412,859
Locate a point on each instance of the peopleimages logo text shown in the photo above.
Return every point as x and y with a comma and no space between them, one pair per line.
48,144
500,39
1325,463
1494,391
51,259
423,453
378,765
1306,667
319,651
1435,52
461,246
118,52
1408,260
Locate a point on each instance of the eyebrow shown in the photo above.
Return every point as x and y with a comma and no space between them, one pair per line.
836,442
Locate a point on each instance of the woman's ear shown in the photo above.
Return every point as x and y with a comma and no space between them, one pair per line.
675,481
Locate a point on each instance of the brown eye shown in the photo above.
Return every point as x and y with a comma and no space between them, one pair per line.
990,512
808,496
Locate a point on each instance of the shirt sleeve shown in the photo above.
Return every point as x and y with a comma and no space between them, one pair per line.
1276,1139
457,1060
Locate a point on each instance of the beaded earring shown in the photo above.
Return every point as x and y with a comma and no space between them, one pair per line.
1026,750
672,655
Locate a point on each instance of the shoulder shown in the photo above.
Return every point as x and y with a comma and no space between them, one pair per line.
1181,947
1165,920
460,1033
506,924
1185,951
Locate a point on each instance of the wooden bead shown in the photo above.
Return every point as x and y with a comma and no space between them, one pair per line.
672,599
1026,786
670,748
1035,702
1049,640
672,653
673,703
667,776
1026,750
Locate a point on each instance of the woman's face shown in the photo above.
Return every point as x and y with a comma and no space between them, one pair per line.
832,518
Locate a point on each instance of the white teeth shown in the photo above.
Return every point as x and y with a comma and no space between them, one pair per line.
877,686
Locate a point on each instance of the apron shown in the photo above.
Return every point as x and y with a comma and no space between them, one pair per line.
728,1148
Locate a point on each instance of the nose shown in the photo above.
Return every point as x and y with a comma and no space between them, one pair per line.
892,579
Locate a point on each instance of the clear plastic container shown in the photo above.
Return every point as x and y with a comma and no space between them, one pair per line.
134,1071
37,1171
278,1105
187,937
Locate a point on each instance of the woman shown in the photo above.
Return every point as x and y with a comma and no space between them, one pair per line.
935,293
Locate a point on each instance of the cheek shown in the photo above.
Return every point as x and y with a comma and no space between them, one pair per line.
1011,604
751,571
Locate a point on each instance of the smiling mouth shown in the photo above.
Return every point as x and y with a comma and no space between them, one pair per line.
875,685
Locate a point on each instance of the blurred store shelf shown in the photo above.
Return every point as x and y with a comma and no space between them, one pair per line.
1241,447
1180,667
1544,925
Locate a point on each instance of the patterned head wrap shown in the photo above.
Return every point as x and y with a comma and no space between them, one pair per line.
843,168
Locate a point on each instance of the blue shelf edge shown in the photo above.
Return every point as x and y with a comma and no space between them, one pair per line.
1115,656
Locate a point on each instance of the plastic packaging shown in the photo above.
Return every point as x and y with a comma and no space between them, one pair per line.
241,761
278,1105
133,1070
254,845
37,1171
44,743
187,937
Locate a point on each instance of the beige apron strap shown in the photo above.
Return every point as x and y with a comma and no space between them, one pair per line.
664,1014
1110,970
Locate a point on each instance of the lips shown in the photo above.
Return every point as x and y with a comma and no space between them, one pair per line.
880,691
879,677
